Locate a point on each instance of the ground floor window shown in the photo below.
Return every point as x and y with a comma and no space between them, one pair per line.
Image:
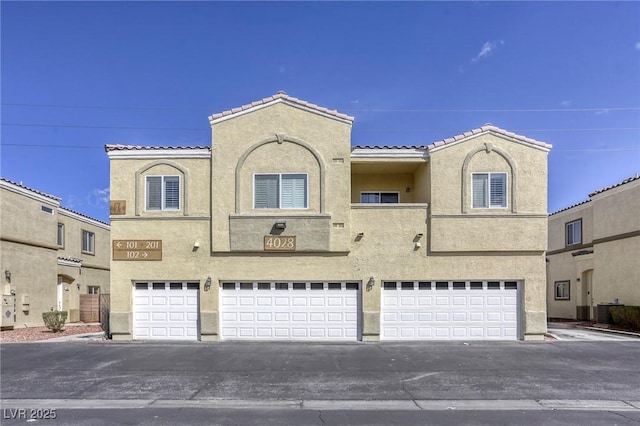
562,290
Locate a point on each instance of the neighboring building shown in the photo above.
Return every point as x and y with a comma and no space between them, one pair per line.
593,253
283,230
50,256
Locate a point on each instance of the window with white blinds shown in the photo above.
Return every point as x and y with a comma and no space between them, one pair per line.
574,232
489,190
280,191
163,193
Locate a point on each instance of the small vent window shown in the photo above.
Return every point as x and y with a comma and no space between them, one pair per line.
389,285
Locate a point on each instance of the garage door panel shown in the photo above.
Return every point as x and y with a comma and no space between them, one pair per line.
247,316
293,311
459,316
300,301
142,316
165,311
262,301
451,310
407,301
424,301
159,316
299,333
263,332
159,300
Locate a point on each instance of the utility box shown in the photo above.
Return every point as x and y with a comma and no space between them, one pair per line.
8,311
604,314
25,302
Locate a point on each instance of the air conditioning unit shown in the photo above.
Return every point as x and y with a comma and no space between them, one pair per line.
8,311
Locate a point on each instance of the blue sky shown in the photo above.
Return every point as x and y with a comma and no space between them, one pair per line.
78,75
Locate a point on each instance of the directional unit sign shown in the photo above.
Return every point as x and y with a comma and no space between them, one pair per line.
137,249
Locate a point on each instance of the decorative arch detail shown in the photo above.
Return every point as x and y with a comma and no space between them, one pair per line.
180,168
279,139
488,148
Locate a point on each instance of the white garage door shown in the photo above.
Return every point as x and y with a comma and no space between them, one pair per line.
165,311
449,310
289,310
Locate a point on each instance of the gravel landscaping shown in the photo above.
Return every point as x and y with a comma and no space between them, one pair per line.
34,334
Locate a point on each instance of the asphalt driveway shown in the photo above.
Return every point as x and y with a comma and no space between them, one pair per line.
285,379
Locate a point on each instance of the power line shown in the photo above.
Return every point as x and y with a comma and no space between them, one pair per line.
74,126
592,129
405,110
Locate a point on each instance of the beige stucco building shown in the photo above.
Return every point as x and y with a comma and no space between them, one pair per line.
281,229
593,253
50,256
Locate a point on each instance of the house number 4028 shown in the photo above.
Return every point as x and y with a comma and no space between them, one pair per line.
279,243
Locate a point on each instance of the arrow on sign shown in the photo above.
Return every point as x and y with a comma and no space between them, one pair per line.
144,254
119,244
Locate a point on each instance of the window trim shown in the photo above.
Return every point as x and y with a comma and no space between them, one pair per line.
380,196
279,175
60,238
92,249
163,195
487,200
93,289
566,232
557,285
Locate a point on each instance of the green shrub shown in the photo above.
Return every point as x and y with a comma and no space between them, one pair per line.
54,320
626,316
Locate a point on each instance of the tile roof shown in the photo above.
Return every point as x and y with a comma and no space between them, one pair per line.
31,189
84,215
118,147
484,129
70,259
388,147
480,130
570,207
628,180
282,96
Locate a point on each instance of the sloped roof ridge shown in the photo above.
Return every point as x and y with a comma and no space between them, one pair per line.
119,147
388,147
624,182
570,207
44,194
84,215
281,95
488,128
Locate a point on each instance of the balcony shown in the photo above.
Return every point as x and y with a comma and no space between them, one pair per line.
390,227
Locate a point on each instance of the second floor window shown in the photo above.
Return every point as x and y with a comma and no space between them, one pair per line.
163,193
88,242
574,232
489,190
280,191
379,197
60,234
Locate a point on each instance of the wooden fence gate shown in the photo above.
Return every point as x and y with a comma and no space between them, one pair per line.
89,308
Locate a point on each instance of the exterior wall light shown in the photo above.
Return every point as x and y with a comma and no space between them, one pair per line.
281,224
78,285
7,275
207,284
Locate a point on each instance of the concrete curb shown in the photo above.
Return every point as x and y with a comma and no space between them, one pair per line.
331,405
84,337
608,330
